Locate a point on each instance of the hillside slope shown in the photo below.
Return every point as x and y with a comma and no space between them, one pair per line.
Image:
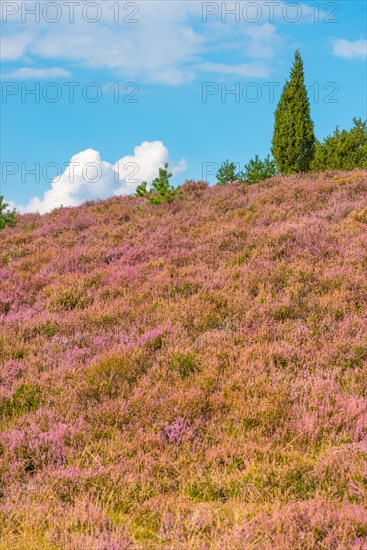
190,375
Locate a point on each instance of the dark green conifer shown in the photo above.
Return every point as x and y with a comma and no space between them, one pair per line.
294,139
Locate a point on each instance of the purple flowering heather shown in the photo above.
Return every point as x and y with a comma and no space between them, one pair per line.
177,432
188,375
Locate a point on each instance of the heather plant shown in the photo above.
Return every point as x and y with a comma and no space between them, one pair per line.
7,218
293,144
24,399
192,188
183,363
177,432
189,376
257,170
69,298
343,150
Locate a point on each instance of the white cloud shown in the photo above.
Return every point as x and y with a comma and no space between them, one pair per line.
262,41
159,48
28,72
13,46
88,177
169,44
350,49
143,165
243,70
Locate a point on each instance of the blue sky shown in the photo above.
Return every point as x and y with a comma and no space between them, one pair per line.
180,59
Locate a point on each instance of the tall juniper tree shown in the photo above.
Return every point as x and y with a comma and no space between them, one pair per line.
294,138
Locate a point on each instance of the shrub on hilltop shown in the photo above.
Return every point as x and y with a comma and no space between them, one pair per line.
227,173
343,150
257,170
161,190
7,218
254,171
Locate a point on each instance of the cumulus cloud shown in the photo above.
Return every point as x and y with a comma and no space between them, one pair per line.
350,49
143,165
88,177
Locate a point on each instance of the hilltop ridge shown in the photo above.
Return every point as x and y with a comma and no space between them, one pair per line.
188,375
